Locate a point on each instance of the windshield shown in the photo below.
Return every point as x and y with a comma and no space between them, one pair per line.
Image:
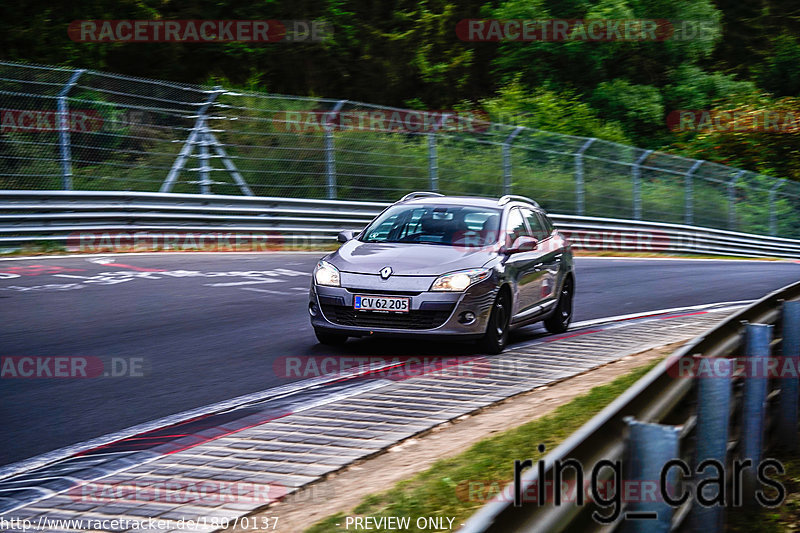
447,225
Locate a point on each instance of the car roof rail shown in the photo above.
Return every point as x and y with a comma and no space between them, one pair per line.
515,197
418,194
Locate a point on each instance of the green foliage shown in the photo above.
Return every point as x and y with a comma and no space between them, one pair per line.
639,108
544,109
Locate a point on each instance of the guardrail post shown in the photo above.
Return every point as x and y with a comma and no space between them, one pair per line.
688,209
732,200
636,174
773,219
757,353
580,202
650,447
330,155
713,416
64,130
787,404
507,159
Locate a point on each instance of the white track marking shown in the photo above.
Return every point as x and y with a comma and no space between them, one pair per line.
237,283
267,291
598,321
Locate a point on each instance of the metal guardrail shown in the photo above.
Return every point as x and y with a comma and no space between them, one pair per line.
65,128
28,217
668,415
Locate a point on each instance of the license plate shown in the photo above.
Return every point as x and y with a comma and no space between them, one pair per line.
382,303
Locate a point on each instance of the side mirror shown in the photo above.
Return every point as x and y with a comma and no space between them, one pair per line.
344,236
522,244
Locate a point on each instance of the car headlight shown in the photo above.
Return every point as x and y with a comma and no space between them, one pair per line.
326,274
459,281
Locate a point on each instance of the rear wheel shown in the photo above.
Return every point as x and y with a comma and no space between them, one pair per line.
558,322
496,337
330,339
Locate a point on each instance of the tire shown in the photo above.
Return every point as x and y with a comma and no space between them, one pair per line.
496,337
330,339
558,321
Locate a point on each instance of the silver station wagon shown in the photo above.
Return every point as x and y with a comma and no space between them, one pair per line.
446,266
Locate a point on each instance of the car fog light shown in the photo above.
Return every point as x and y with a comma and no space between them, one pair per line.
467,317
312,309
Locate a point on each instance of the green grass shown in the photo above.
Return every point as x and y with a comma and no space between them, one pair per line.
444,489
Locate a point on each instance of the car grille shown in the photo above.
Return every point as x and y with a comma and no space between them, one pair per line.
382,291
347,316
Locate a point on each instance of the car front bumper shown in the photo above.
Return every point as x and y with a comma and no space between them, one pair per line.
437,314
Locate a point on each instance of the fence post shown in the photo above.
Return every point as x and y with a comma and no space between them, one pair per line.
732,200
205,181
773,218
198,132
636,173
650,446
433,155
507,159
330,155
580,202
63,130
688,209
787,405
713,417
757,352
433,164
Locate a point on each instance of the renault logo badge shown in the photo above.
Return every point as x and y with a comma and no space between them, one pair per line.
386,272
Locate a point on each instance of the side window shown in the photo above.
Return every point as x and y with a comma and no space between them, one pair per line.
515,225
548,224
537,229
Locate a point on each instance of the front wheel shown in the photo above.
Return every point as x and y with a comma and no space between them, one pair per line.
558,322
330,339
496,337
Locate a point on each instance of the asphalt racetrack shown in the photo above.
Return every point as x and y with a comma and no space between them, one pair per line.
185,330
